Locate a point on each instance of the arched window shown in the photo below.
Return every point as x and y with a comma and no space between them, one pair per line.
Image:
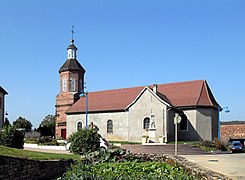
183,122
109,126
146,123
73,85
79,126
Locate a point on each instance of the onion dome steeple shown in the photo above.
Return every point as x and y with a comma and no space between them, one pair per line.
71,50
71,63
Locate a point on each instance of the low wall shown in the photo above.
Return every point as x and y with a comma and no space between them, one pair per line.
18,168
36,146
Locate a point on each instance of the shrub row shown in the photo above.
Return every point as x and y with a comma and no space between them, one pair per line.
212,145
11,137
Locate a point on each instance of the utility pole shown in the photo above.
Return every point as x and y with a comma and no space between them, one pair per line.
177,120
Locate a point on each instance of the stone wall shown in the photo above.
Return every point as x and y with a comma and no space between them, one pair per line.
18,168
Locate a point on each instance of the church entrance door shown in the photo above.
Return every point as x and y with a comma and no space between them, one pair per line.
63,133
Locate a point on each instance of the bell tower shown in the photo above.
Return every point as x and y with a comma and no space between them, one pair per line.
71,86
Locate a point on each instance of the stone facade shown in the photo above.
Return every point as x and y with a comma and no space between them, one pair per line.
202,124
120,124
145,106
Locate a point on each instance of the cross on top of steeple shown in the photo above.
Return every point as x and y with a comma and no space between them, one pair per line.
72,33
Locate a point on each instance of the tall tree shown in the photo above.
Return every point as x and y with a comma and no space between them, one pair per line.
6,122
22,123
47,126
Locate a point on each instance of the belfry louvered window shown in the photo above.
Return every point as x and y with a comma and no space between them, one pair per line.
63,85
73,85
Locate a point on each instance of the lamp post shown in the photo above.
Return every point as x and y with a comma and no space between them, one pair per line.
177,120
219,110
85,94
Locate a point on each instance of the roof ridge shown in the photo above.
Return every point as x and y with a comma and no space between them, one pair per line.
181,82
211,96
200,94
208,93
116,89
210,100
147,86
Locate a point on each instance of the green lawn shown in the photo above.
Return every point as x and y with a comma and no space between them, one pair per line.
5,151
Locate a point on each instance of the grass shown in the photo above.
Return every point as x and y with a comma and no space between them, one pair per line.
6,151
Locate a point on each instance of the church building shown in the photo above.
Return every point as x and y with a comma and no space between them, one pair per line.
127,114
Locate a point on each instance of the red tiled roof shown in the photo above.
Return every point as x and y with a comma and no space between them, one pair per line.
232,131
181,94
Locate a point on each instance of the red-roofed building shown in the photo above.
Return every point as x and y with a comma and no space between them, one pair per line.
128,114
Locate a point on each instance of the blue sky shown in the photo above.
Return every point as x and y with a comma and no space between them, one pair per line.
121,43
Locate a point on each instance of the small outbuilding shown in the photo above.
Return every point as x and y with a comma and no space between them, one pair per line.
2,106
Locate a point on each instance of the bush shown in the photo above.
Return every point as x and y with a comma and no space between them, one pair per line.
11,137
84,141
220,145
109,155
211,145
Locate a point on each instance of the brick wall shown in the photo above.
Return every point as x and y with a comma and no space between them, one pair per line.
18,168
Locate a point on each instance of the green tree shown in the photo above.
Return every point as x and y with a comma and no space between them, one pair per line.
22,123
6,122
47,126
11,137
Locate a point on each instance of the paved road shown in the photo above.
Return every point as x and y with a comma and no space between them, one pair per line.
232,165
163,149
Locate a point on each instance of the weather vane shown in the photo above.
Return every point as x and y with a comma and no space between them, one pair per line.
72,32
